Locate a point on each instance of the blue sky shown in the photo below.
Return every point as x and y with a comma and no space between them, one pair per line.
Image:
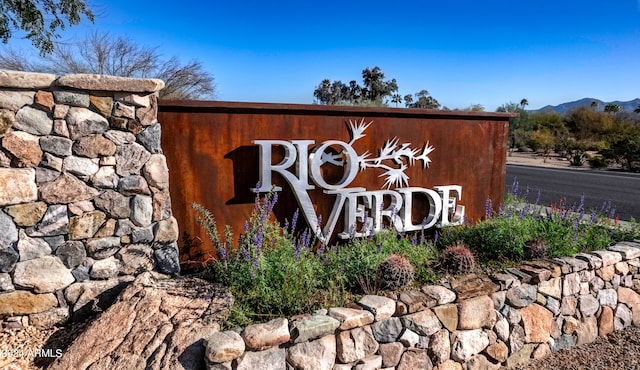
463,52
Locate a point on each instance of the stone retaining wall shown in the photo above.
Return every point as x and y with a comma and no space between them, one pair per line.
474,323
84,193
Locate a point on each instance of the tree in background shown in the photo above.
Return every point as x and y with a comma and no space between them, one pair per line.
471,108
423,100
396,98
549,129
543,140
589,126
354,91
408,100
520,128
612,108
582,134
330,92
624,147
40,19
102,53
374,90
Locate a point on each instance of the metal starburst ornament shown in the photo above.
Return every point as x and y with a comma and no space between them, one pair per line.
393,158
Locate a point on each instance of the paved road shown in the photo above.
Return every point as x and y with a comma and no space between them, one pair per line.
621,189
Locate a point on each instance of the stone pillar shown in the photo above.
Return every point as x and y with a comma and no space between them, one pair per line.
84,191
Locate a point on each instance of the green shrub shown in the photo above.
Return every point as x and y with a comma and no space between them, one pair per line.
277,271
598,162
505,233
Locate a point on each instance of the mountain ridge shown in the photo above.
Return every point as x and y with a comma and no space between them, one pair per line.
627,106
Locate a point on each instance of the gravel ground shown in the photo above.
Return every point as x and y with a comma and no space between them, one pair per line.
19,348
618,351
533,159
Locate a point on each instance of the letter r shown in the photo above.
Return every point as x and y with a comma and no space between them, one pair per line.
295,152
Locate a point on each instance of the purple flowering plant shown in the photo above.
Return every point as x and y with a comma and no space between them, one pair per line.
501,237
276,270
283,270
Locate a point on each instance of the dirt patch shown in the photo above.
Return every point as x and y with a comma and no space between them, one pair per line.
538,160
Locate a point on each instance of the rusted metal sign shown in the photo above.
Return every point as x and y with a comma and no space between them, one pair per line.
356,168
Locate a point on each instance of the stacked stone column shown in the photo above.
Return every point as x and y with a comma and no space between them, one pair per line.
84,191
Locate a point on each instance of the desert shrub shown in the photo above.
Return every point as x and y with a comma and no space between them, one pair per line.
598,162
277,271
361,257
269,273
565,230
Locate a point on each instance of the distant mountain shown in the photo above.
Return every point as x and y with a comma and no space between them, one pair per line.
627,106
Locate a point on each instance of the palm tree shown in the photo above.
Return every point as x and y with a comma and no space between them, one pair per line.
524,102
637,110
408,100
396,98
594,105
373,81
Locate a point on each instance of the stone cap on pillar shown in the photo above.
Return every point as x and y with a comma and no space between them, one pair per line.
95,82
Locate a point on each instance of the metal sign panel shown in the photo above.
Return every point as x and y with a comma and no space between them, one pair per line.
370,167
